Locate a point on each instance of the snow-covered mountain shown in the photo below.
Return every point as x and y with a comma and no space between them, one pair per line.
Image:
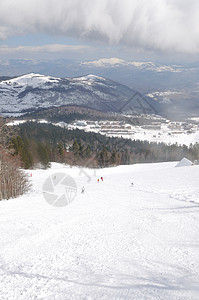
32,91
141,65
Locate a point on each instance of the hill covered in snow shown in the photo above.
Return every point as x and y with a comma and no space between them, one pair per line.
33,91
114,241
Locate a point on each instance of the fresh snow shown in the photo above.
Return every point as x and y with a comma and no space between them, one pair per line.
115,241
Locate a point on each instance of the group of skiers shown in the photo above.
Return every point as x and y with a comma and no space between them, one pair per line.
102,179
83,188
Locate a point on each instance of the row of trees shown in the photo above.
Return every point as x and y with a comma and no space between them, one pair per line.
83,155
42,143
35,152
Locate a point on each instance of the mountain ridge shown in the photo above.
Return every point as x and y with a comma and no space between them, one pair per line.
32,91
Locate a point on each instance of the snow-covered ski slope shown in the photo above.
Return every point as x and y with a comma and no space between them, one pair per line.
115,241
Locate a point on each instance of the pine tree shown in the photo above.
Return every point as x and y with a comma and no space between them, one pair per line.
103,157
43,153
60,149
113,157
75,148
21,149
88,151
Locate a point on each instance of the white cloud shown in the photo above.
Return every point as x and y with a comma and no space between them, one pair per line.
54,48
163,25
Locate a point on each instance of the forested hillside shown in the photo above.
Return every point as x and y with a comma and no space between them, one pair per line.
40,144
70,113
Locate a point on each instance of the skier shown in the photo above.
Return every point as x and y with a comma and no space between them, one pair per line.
98,180
102,179
83,190
131,183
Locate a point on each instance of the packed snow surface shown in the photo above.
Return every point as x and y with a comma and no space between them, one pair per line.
117,240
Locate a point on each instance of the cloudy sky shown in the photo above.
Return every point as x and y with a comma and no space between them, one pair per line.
88,30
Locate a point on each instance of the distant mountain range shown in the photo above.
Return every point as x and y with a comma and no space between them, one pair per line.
34,91
31,92
143,76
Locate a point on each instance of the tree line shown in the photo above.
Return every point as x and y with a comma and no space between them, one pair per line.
40,144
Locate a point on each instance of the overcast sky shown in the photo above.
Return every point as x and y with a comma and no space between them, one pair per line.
96,29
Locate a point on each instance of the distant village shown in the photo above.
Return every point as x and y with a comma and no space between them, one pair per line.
155,129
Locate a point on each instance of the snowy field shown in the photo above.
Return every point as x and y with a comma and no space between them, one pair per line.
115,241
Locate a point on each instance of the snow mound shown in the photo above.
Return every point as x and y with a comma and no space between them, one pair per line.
184,163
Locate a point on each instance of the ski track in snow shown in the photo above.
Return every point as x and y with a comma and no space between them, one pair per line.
115,241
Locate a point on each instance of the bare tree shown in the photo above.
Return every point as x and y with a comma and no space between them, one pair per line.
13,180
